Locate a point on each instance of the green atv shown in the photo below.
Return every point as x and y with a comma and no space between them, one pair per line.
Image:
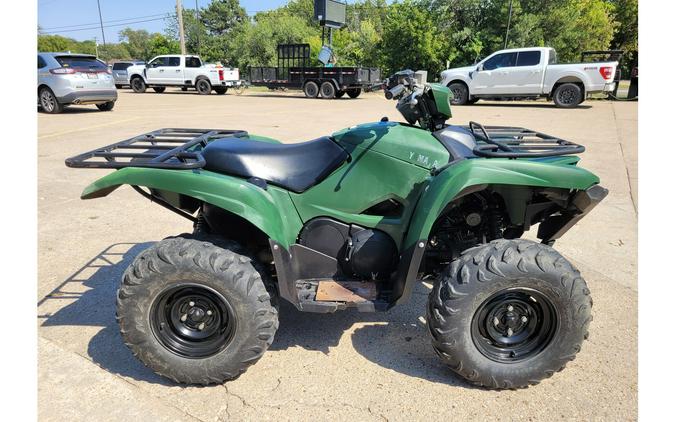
353,220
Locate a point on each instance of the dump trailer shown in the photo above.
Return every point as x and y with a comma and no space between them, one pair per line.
294,71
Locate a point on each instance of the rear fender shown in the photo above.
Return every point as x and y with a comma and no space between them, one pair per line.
270,209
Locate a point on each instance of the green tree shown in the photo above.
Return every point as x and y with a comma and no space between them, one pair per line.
137,43
411,39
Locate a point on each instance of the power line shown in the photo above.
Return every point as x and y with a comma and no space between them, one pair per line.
110,21
105,26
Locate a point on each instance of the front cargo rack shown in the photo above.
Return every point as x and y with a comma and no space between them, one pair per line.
518,142
176,149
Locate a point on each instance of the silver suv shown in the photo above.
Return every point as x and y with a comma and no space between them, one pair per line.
65,78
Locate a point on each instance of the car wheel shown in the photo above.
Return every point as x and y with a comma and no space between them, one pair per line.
138,85
460,93
220,90
203,87
118,86
195,311
49,102
183,88
106,106
568,95
311,89
159,89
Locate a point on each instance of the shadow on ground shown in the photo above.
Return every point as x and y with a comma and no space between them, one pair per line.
532,104
396,340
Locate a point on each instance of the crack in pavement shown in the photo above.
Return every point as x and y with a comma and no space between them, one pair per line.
619,138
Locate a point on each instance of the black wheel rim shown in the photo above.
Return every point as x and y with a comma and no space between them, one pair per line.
47,100
514,325
138,85
192,321
568,96
203,86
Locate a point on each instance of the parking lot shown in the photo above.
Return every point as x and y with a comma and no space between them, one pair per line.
337,366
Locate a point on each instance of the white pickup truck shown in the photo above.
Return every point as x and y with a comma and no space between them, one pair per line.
182,71
529,73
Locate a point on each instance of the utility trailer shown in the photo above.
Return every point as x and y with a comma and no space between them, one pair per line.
294,71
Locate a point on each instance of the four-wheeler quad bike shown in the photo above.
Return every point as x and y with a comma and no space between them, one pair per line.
352,220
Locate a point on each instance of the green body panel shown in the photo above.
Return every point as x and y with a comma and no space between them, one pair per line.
393,167
406,143
558,172
270,210
442,97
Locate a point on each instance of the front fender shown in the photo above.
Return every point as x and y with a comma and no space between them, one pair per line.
443,188
270,210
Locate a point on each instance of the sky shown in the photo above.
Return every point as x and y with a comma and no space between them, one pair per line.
79,18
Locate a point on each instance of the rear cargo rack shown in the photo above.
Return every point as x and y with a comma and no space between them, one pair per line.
174,149
518,142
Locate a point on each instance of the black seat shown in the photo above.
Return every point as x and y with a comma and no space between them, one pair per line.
296,167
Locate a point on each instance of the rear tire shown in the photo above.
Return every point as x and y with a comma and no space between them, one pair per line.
354,92
328,90
203,87
195,312
106,106
311,89
460,93
159,89
48,101
138,85
340,94
568,95
509,314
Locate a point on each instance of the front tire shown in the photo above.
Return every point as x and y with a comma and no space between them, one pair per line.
460,93
509,314
106,106
195,312
203,87
568,95
138,85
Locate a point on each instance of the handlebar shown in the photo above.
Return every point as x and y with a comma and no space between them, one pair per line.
394,92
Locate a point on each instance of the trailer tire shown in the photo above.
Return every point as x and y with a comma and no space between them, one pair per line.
340,94
159,89
196,311
311,89
221,90
203,86
328,90
354,92
508,314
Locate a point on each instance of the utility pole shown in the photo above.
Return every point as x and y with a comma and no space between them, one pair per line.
508,25
199,27
181,31
100,18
